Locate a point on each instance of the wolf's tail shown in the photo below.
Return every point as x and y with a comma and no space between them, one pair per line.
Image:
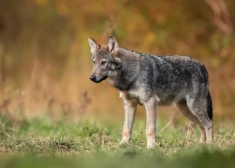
208,97
209,106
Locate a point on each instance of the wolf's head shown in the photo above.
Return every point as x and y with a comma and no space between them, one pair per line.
104,59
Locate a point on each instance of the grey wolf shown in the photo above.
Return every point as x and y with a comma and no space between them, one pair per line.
151,80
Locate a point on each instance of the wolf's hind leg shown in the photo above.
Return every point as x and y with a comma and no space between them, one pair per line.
203,134
183,108
199,109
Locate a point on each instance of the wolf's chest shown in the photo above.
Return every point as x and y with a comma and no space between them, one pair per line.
137,95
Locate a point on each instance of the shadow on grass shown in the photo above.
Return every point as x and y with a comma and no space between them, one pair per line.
126,160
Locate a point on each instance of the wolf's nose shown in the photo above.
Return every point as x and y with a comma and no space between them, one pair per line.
92,77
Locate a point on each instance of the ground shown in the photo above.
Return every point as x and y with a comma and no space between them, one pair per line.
41,142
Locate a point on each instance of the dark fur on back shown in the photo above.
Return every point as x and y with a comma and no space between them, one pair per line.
170,78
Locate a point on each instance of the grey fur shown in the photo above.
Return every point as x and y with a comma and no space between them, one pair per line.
152,80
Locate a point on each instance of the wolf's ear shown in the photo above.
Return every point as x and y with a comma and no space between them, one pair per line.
112,45
93,44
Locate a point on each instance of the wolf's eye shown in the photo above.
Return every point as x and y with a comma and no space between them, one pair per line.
103,62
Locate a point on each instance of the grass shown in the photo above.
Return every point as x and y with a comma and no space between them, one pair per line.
41,142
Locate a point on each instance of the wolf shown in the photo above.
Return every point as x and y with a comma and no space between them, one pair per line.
151,81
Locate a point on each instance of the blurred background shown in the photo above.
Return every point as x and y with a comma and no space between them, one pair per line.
45,57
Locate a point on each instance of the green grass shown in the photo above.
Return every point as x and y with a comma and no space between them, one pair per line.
41,142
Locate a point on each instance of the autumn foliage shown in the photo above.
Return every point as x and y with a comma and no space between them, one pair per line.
45,57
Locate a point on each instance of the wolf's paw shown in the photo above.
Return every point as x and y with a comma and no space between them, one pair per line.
151,145
123,142
202,140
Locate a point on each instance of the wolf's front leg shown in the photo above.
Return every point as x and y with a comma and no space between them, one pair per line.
130,109
151,119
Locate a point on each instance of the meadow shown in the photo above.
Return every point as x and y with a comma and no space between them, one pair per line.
41,142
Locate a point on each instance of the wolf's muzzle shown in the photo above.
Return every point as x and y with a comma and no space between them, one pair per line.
97,80
93,78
